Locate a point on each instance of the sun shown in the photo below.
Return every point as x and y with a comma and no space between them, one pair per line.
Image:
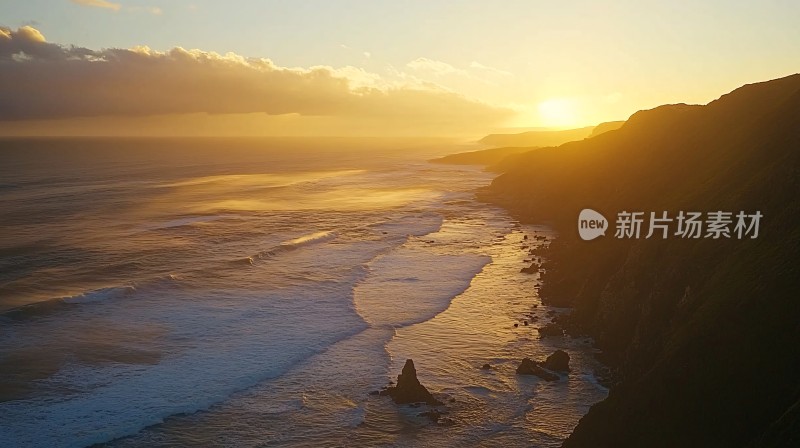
557,112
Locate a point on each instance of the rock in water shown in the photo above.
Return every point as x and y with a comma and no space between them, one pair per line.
409,389
551,329
528,367
557,362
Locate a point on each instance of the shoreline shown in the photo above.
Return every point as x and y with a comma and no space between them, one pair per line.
550,291
687,322
525,340
327,392
476,327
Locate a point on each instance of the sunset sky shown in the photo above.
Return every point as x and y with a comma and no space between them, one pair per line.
193,67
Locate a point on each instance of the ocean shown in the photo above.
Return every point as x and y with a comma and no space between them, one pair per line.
253,292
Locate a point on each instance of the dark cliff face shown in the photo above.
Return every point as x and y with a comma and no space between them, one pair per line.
704,334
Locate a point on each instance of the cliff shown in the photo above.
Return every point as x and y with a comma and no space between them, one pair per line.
499,159
537,138
702,333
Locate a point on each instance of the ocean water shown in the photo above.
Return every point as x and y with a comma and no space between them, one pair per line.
253,292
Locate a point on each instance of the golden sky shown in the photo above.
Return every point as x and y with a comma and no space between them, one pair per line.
379,68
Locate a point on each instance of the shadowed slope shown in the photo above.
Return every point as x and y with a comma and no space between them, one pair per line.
702,333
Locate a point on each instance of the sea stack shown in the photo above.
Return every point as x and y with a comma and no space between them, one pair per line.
558,361
409,389
529,367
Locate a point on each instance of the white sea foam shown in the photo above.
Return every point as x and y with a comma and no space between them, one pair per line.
417,224
220,342
236,340
292,244
316,237
412,285
230,349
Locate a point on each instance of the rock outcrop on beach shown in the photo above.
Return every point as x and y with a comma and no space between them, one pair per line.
408,388
530,367
557,362
701,333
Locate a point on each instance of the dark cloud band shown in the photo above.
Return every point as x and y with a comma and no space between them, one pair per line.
42,80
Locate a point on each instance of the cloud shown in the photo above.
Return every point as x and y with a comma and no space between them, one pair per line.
26,41
42,80
98,4
26,33
486,68
438,68
476,72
